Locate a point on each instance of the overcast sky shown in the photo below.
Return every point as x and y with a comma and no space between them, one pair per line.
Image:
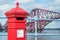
28,5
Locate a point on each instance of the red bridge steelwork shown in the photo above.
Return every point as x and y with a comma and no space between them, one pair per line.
44,18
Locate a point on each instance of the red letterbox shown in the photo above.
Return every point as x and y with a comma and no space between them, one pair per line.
16,23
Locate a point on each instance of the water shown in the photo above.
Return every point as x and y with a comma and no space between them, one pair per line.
44,38
46,35
3,36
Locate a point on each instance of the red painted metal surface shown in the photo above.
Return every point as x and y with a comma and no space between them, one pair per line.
16,21
17,11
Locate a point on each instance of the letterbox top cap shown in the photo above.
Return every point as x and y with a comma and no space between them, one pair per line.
17,3
17,10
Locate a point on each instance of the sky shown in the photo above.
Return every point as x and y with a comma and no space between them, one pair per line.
28,5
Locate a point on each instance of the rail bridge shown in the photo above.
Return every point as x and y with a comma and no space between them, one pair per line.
41,16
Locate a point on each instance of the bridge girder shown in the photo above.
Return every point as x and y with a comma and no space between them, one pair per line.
41,14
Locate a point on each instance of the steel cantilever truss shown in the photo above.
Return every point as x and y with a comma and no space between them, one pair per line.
44,18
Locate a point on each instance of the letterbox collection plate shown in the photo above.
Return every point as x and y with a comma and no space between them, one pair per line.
20,33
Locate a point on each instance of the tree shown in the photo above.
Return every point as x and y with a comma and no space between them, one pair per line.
1,27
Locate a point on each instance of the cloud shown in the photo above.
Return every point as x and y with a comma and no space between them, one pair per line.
32,6
2,0
53,24
24,1
55,5
4,7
